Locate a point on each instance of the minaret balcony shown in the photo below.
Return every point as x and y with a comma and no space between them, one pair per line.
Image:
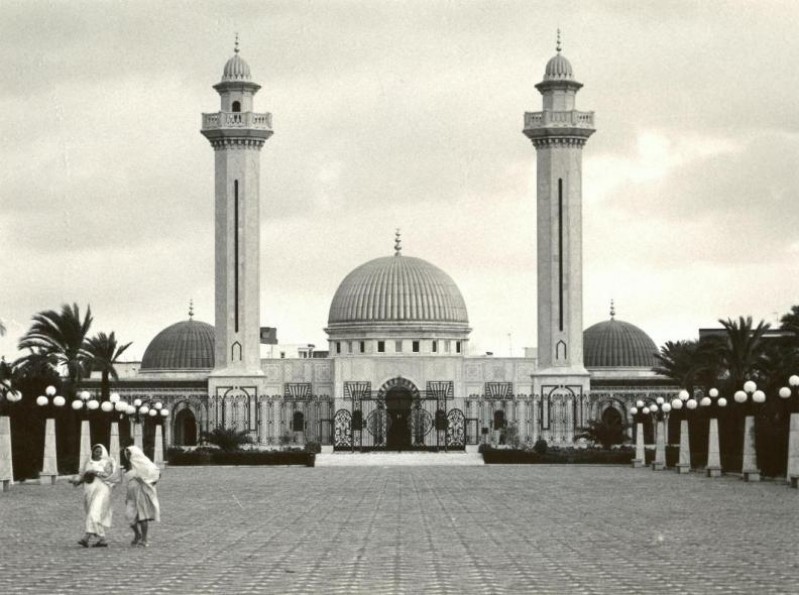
552,119
237,120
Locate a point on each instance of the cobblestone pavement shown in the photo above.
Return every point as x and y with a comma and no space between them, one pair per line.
492,529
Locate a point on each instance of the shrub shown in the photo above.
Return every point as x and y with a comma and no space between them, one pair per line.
540,446
227,439
178,457
313,446
604,433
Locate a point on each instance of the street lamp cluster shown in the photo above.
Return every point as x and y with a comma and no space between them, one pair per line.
8,397
137,412
749,399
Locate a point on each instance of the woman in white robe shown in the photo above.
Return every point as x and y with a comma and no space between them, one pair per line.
98,477
141,503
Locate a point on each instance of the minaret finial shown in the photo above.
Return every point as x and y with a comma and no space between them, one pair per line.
236,46
397,243
557,46
191,309
612,310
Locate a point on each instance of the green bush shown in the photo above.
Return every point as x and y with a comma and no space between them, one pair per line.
540,446
313,446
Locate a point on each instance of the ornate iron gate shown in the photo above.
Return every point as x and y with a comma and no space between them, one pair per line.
421,422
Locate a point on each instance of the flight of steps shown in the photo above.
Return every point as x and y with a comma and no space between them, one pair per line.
397,459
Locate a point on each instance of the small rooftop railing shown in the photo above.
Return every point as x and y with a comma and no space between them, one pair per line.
237,120
566,119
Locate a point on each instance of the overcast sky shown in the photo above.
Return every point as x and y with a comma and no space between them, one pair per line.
399,114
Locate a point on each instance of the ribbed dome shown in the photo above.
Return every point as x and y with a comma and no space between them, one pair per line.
558,69
398,288
187,345
236,69
616,344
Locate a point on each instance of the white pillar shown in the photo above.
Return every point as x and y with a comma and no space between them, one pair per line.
113,446
138,439
640,454
749,467
50,460
684,465
793,449
85,444
6,463
158,451
660,447
713,468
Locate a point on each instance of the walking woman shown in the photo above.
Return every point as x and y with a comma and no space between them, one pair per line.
98,477
141,503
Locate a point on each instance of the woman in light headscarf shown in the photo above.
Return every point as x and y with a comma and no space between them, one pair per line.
141,503
99,475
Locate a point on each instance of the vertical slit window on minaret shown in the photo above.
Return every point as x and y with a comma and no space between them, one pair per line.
560,250
236,252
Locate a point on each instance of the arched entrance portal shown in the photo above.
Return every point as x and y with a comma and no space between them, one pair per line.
398,417
185,428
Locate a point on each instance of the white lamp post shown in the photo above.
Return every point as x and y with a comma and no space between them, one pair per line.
683,404
8,397
659,410
49,471
82,404
638,416
749,467
159,414
791,396
711,402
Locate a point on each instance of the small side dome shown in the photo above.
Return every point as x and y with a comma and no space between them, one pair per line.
236,69
558,69
617,344
186,345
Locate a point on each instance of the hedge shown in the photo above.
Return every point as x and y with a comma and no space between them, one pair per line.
240,457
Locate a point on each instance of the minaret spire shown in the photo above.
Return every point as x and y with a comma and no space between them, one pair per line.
397,243
236,45
612,310
191,309
557,45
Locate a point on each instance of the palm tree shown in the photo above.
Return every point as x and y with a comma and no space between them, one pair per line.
677,360
104,352
743,350
58,339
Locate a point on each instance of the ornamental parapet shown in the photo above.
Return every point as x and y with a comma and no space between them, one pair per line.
237,120
566,119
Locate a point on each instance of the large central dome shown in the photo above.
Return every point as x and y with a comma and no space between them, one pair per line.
397,289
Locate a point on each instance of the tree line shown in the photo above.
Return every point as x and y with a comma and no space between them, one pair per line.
59,351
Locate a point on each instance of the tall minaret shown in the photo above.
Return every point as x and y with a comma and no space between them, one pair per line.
237,134
559,133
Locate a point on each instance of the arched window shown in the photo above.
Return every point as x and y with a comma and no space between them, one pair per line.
185,426
298,422
236,106
612,417
499,419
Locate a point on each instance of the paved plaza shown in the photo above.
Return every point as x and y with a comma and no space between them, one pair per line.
492,529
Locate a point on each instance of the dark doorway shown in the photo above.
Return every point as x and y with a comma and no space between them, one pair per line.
185,428
398,410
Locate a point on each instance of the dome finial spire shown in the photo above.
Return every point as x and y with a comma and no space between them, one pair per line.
612,310
191,309
236,45
397,243
557,45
